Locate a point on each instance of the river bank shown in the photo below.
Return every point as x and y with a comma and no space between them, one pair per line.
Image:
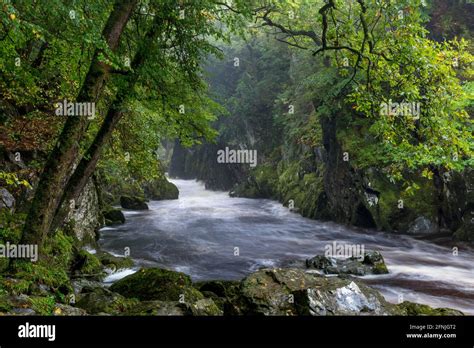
198,233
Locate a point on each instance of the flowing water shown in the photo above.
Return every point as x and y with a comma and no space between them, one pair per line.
210,235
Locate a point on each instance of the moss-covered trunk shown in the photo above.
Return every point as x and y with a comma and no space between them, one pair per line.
88,163
61,161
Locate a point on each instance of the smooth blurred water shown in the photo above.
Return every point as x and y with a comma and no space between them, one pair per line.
198,233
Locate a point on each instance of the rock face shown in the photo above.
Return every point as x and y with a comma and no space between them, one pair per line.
87,217
133,203
373,263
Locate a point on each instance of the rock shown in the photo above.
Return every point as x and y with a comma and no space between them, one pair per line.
86,219
224,293
23,311
204,307
100,300
422,226
296,292
66,310
81,283
133,203
416,309
373,263
157,284
161,189
114,262
87,265
158,308
6,199
114,217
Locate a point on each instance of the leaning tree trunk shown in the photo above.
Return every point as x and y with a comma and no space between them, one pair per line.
61,161
88,163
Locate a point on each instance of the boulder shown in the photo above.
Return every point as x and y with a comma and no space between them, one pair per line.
6,199
417,309
100,300
296,292
114,262
422,226
157,284
66,310
87,265
133,203
224,293
113,217
85,220
204,307
373,263
161,189
157,308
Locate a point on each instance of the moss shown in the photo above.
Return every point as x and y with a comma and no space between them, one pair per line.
387,213
52,267
464,233
160,189
261,183
157,308
43,305
302,187
87,264
379,268
16,286
101,300
115,262
417,309
5,304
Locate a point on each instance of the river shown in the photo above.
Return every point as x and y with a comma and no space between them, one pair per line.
210,235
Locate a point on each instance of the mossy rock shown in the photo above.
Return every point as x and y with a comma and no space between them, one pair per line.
101,300
5,303
161,189
157,284
113,217
114,262
465,233
133,203
157,308
204,307
43,305
296,292
417,309
224,293
87,265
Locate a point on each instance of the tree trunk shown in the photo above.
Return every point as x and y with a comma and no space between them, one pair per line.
88,163
61,161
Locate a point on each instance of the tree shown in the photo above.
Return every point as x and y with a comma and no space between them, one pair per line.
63,157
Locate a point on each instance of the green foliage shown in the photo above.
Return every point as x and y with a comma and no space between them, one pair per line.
376,52
52,267
43,305
11,179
